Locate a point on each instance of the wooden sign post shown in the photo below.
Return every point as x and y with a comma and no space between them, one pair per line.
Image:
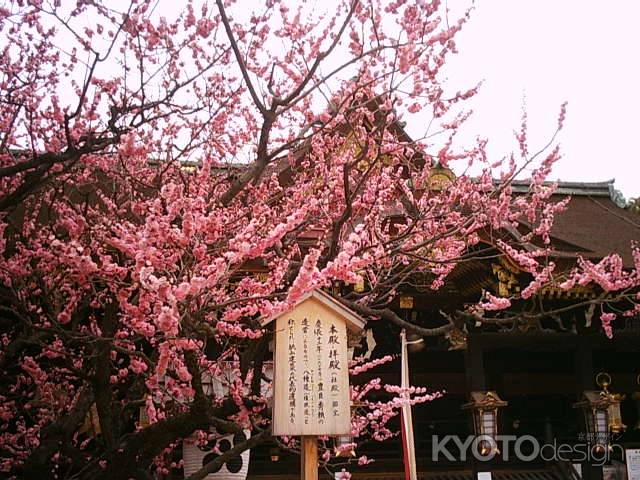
311,373
309,457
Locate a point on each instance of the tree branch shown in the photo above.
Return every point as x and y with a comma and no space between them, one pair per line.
391,316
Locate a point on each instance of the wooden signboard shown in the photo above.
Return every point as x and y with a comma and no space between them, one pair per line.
632,456
311,375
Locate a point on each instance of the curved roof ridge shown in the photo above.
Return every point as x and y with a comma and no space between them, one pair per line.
600,189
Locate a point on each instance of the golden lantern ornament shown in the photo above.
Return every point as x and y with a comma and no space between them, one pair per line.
615,399
484,407
406,302
601,410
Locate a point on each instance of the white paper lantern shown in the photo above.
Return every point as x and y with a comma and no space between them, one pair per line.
195,457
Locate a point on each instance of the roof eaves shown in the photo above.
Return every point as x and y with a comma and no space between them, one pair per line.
592,189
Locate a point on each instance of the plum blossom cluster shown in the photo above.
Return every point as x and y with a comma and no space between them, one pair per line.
170,178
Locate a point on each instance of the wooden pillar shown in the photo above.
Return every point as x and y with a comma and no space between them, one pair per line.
474,364
309,457
584,366
476,381
585,381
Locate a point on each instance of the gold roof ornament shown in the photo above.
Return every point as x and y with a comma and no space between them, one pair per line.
457,339
440,178
508,283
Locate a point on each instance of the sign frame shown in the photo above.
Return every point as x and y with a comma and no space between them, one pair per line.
312,384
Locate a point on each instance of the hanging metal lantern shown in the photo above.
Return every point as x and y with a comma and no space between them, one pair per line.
484,408
595,409
615,399
601,410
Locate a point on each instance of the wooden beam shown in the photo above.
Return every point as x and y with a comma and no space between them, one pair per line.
558,341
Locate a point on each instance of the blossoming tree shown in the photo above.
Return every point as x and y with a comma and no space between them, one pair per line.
167,178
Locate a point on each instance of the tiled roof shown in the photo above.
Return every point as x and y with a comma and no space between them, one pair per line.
598,189
596,226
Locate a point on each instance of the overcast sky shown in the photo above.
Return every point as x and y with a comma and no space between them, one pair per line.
546,52
549,51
